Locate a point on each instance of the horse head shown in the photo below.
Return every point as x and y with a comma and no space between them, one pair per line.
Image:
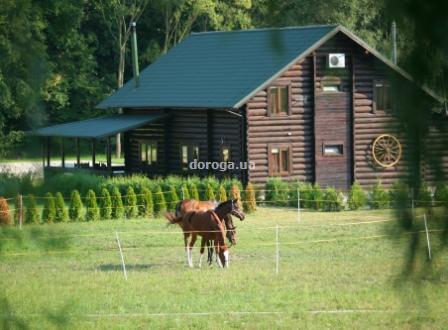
236,211
230,227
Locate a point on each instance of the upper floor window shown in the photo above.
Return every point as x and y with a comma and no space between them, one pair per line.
279,160
331,84
278,100
148,153
188,153
381,96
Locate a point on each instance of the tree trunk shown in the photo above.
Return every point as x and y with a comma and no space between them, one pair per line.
121,62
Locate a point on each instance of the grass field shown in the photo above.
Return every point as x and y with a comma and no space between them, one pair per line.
336,270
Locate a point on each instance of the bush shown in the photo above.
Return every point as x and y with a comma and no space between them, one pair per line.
146,205
92,211
61,210
357,197
424,197
17,209
306,195
117,204
49,212
173,198
222,196
277,192
76,208
159,201
441,194
378,198
105,205
31,211
12,184
136,181
399,195
209,194
317,197
67,182
5,217
334,201
130,203
185,194
236,194
250,202
194,191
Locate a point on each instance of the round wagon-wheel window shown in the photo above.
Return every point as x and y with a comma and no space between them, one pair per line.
386,150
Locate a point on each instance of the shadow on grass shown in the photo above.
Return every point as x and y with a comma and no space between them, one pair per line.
119,267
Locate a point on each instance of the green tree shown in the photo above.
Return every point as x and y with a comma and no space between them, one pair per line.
61,210
250,202
222,194
5,216
173,198
117,204
49,211
130,207
379,198
209,193
146,204
105,205
76,207
194,191
159,201
357,197
31,211
92,211
185,192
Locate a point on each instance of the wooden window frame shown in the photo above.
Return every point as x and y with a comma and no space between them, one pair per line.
333,143
221,155
190,149
268,97
374,95
146,143
328,80
270,159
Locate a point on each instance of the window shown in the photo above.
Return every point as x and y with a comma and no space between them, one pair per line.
333,149
279,160
148,153
331,84
278,100
381,96
225,153
188,154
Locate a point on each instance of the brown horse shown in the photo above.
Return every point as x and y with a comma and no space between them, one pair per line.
208,225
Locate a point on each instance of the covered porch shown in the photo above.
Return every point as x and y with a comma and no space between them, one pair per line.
93,131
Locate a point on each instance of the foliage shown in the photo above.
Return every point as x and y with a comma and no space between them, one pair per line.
399,195
136,181
172,199
357,197
67,182
441,194
61,210
317,197
159,201
250,202
49,211
222,195
236,195
130,203
277,192
378,198
105,205
146,204
31,210
13,184
5,216
424,197
75,211
333,200
207,187
194,194
117,204
18,208
209,193
185,194
92,211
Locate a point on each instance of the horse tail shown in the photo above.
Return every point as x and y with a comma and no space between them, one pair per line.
172,218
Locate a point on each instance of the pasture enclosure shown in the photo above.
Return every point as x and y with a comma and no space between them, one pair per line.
335,270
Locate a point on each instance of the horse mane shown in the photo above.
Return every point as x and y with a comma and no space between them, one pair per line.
222,203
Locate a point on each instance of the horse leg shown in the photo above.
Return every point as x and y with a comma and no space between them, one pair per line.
226,257
187,253
210,244
201,251
190,250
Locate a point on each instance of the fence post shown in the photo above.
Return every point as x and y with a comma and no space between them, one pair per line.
298,204
20,211
122,258
427,236
277,250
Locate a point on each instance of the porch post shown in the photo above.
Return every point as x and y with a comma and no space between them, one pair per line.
109,158
210,138
43,152
93,153
78,156
47,142
167,142
63,153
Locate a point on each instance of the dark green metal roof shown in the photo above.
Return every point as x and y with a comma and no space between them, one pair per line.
217,69
97,127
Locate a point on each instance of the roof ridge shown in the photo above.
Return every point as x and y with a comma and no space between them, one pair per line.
267,29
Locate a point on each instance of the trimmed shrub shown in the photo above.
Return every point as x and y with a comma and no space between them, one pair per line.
61,210
76,208
136,181
306,195
5,217
378,198
159,201
334,201
31,211
441,194
67,182
92,211
209,194
236,194
277,192
105,205
194,191
317,196
399,195
117,204
424,197
49,212
185,194
173,198
250,202
130,203
357,197
146,205
222,196
17,209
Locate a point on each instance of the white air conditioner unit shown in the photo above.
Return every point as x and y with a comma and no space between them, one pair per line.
336,60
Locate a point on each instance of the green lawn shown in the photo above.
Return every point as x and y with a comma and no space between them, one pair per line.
333,273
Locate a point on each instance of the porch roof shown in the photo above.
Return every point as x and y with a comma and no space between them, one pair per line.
98,127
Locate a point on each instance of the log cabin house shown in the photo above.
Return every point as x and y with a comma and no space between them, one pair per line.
304,103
